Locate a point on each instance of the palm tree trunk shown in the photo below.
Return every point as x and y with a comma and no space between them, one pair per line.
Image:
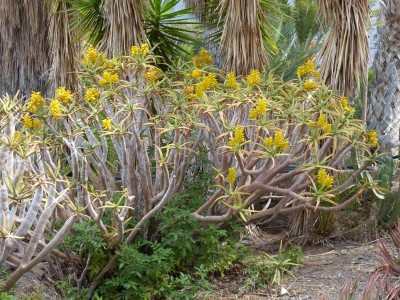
124,26
37,49
242,43
344,55
384,108
64,47
24,47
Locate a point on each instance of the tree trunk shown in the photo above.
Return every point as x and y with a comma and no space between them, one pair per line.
24,46
384,108
38,51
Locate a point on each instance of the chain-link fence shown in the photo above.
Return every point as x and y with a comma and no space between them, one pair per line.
383,113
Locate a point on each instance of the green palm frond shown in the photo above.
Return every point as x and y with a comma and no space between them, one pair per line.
171,31
87,19
298,36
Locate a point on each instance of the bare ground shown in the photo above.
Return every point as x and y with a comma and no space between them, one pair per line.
326,268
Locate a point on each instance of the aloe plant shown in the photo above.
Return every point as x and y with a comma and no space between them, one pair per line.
387,200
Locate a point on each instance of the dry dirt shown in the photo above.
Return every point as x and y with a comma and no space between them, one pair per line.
326,267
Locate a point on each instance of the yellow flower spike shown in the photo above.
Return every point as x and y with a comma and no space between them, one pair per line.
269,142
55,109
231,81
345,104
152,75
135,51
372,138
253,113
109,77
36,124
92,94
205,57
324,180
106,124
327,128
63,95
259,110
238,137
261,106
196,73
35,102
280,143
254,78
111,63
27,122
311,123
211,80
144,49
90,56
307,69
200,89
321,121
310,85
189,91
231,177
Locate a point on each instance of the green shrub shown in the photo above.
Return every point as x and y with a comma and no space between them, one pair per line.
263,269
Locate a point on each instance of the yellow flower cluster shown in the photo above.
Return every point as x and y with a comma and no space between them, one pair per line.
310,85
55,109
36,101
208,81
321,123
254,78
143,50
231,81
31,123
189,91
238,137
63,95
259,110
308,69
92,56
108,77
196,73
111,63
106,124
345,104
27,121
152,75
324,180
204,58
231,177
280,143
373,139
92,94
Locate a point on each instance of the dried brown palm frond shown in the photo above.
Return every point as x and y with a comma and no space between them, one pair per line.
24,46
241,42
344,54
124,26
64,47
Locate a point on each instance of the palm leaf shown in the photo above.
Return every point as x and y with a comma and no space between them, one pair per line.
169,30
